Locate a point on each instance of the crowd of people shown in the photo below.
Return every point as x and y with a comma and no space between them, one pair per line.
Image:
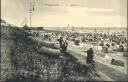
106,40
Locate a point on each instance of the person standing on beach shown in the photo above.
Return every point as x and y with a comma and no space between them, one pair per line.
60,41
90,56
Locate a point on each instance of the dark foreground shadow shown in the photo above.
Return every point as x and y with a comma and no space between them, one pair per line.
23,79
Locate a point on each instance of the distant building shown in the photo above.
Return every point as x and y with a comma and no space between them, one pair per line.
26,27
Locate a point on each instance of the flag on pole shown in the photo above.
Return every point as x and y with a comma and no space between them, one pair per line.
33,8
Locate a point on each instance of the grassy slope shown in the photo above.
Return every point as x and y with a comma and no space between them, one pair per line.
20,58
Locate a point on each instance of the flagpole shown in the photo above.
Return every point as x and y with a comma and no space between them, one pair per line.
30,12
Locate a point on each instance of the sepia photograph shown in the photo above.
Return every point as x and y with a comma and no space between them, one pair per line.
63,41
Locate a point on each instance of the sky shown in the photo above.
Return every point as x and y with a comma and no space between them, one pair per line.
60,13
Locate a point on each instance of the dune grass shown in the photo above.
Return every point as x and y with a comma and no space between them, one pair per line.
21,61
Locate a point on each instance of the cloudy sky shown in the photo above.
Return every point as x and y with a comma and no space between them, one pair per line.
86,13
